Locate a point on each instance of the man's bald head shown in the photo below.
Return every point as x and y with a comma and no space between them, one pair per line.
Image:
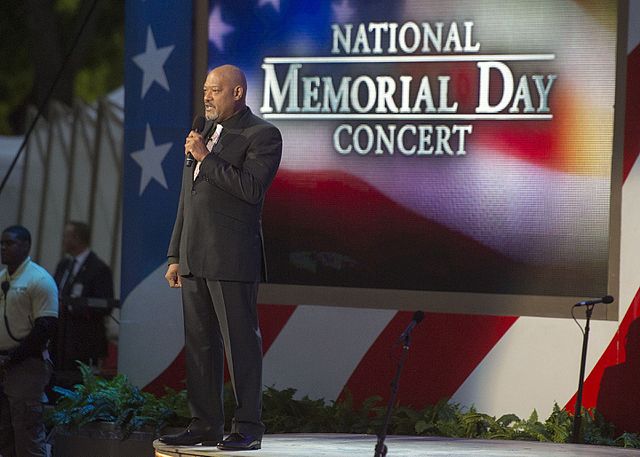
233,75
225,91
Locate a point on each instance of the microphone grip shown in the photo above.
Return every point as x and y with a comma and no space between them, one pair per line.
408,330
417,318
190,160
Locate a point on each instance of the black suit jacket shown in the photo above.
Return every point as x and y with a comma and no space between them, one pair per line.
217,234
82,331
94,276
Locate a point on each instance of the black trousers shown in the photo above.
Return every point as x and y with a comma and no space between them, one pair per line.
22,430
220,317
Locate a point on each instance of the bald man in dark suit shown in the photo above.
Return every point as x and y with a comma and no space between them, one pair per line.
216,256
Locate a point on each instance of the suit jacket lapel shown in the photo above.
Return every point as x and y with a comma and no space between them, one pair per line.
208,131
80,275
218,146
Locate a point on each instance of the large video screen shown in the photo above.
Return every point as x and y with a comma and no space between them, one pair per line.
450,147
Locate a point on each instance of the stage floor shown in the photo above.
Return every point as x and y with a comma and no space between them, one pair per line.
319,445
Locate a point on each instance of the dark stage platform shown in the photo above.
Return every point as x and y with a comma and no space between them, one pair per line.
318,445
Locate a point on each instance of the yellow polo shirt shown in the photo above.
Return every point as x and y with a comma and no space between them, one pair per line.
32,294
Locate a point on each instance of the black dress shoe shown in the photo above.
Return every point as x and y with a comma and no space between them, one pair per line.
191,436
240,442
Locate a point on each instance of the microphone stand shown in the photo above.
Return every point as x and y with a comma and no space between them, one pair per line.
381,448
577,420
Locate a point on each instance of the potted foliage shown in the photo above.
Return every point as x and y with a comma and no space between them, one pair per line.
111,417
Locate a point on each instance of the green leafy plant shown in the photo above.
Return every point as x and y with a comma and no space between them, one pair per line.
628,440
117,401
441,419
559,425
596,430
283,413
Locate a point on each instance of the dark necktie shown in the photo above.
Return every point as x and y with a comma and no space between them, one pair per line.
67,278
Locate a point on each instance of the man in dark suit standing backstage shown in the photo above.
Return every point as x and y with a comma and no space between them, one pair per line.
81,274
216,256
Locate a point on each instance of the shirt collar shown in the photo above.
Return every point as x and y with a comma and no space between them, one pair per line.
82,257
18,271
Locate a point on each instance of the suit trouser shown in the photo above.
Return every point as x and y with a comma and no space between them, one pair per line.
219,317
22,431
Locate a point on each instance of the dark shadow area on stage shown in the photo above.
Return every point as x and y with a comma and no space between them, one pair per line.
619,396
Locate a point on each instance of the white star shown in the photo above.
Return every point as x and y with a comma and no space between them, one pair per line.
342,11
218,28
151,62
150,160
274,3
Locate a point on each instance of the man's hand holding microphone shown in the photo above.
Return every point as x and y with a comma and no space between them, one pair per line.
194,147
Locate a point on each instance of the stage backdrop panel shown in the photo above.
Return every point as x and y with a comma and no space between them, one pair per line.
457,152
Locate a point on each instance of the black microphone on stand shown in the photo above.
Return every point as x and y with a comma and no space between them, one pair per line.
576,433
381,448
606,300
198,127
417,318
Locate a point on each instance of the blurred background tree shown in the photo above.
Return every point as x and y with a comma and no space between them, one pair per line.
35,37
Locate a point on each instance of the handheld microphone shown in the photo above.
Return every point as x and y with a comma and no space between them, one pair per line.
417,318
606,300
197,126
